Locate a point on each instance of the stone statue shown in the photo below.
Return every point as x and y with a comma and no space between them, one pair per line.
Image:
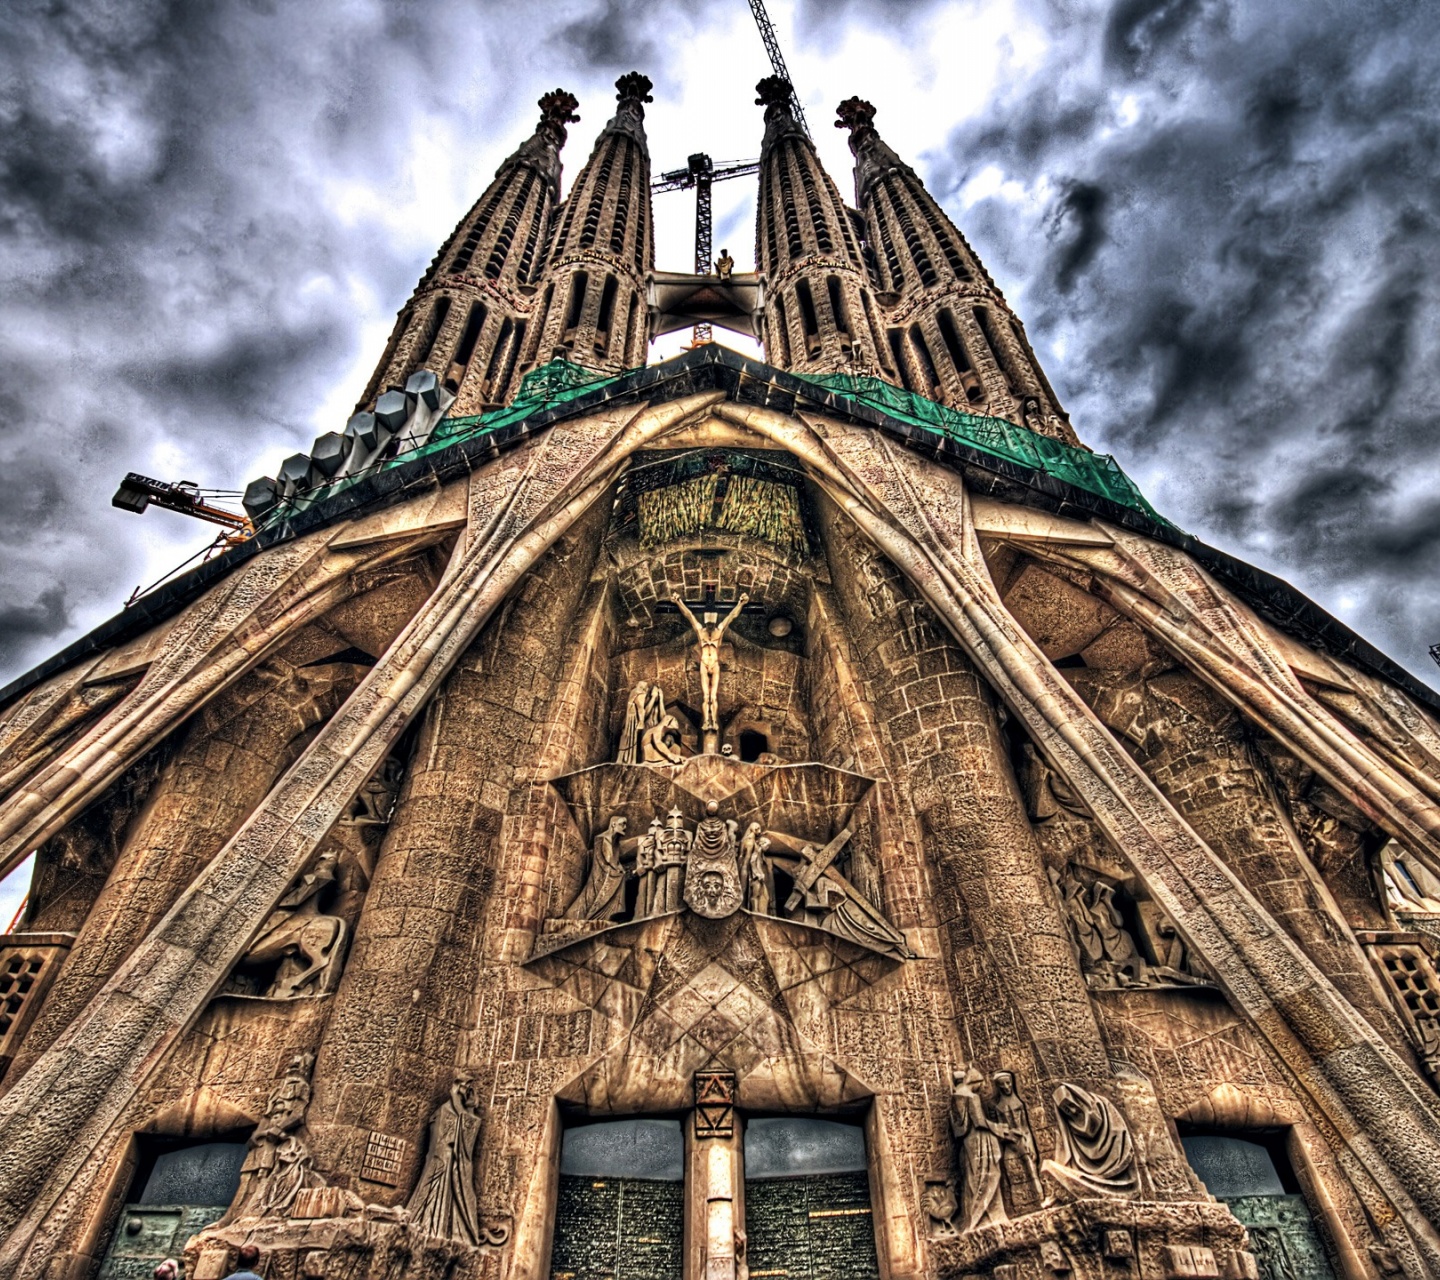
443,1202
672,853
979,1153
759,876
647,853
713,887
1013,1120
644,709
603,895
1120,953
1094,1152
307,944
376,801
277,1163
709,634
660,742
724,264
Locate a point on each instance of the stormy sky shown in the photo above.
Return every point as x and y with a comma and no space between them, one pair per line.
1219,221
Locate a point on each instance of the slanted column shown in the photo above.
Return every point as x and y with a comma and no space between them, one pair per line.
230,756
715,1180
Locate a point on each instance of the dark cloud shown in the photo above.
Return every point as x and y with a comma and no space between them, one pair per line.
1238,255
1231,248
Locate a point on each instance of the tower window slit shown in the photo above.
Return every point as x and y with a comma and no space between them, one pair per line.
633,335
607,313
808,318
578,288
897,350
598,191
532,241
477,231
772,262
432,332
887,243
945,238
507,231
474,322
927,361
497,354
787,207
781,331
812,198
916,245
511,356
837,309
950,334
1001,355
622,207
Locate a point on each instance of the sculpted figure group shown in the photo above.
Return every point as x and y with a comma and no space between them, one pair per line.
1107,951
1094,1153
715,870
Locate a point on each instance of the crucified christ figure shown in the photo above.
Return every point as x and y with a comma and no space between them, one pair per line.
710,633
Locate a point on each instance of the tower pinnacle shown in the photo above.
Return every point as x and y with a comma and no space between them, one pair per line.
949,331
820,315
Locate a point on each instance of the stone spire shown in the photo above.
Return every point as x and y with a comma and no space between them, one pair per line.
950,333
466,320
592,309
820,313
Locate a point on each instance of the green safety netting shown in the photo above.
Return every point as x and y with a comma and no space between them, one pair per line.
1097,473
560,381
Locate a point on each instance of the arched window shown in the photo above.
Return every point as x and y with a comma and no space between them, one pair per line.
607,314
578,285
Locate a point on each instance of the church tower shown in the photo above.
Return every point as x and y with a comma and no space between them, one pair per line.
592,310
819,310
718,819
466,321
950,333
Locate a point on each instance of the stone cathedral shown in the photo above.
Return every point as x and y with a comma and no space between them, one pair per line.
718,819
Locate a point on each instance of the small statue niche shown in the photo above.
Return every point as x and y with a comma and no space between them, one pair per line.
1105,922
994,1153
300,951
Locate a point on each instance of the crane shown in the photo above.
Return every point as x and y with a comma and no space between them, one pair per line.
777,60
701,172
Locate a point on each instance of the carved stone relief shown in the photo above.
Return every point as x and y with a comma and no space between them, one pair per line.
1094,1151
695,857
1104,944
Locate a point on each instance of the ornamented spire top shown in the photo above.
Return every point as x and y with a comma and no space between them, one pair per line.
632,91
557,109
775,94
633,86
857,115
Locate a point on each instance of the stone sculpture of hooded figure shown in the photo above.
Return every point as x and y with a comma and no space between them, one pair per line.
1094,1152
443,1203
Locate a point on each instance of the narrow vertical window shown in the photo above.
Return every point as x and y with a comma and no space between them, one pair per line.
607,313
897,351
578,287
474,322
927,361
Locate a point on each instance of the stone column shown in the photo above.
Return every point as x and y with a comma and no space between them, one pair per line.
1020,1000
1197,749
395,1038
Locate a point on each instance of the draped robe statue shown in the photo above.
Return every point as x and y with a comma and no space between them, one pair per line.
443,1202
644,709
979,1154
1094,1152
603,897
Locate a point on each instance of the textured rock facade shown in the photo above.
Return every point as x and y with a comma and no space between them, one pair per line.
707,765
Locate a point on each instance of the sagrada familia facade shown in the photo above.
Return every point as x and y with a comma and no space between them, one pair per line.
718,819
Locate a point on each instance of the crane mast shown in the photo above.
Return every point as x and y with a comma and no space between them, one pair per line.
777,60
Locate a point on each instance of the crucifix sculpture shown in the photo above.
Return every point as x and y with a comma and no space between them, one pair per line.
709,634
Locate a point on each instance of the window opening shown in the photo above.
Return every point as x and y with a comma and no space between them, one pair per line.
753,744
807,1200
607,313
927,362
474,322
577,301
1251,1172
620,1212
